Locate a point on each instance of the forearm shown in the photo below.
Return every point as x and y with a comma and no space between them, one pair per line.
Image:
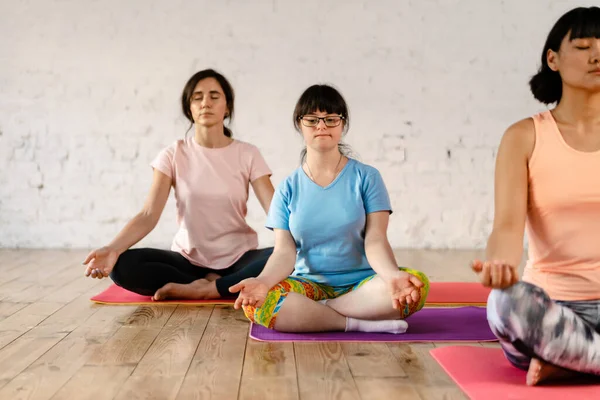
380,256
135,230
279,266
505,245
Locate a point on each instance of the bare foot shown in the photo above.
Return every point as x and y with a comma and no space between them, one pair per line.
541,371
201,289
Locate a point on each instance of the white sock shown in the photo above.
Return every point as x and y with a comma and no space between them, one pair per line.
395,326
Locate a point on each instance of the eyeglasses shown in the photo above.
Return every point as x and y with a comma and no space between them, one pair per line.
330,121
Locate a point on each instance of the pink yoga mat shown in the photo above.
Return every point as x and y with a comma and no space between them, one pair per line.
465,324
457,293
117,295
485,374
440,294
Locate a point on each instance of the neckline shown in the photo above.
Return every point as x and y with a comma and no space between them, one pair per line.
564,142
196,145
333,182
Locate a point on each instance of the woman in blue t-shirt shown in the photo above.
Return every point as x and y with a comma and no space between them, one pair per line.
330,218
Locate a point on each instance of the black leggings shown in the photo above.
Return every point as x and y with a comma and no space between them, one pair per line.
144,271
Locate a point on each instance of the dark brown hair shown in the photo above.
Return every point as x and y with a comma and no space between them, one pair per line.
327,99
188,91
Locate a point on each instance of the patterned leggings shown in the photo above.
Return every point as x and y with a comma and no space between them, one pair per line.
266,314
529,324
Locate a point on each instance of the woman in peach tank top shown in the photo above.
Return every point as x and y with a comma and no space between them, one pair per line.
548,184
210,174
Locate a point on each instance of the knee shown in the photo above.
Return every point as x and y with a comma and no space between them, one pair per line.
522,303
520,296
422,277
263,315
121,272
424,290
266,314
425,279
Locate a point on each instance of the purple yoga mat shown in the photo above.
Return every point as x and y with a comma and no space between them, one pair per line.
464,324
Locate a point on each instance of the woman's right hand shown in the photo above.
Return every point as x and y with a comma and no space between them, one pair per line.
495,274
253,292
100,262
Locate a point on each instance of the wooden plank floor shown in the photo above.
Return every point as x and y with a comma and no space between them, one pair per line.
56,344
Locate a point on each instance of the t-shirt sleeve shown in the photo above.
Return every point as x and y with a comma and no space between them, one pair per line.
164,161
258,165
374,193
279,212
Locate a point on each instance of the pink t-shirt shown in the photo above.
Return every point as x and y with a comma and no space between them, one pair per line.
211,190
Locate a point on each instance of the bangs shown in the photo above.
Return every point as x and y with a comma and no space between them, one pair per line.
585,23
321,98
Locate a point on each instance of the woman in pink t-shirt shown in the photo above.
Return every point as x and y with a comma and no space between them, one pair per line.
548,184
210,174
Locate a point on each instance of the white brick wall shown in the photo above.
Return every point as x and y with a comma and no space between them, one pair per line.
89,94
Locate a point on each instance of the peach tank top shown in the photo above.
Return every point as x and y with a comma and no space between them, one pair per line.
563,216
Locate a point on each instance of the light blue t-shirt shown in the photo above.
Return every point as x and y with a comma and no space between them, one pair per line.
328,224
